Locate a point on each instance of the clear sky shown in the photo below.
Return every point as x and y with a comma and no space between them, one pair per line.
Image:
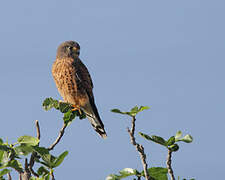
168,55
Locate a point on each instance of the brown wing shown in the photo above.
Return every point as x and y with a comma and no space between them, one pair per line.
86,82
85,78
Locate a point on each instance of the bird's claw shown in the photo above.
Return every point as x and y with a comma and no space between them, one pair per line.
76,108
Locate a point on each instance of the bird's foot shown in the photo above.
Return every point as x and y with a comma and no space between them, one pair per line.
76,108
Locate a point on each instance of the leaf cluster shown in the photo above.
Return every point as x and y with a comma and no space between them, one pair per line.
10,154
156,173
65,108
171,143
133,112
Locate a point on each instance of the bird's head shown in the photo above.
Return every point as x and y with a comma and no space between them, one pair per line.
68,49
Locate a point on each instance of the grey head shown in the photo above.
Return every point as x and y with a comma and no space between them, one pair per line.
68,49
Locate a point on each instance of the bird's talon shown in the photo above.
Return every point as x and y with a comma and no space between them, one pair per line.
76,108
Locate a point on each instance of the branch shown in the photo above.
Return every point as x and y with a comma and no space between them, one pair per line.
9,176
34,154
61,132
169,166
139,148
38,129
52,175
26,174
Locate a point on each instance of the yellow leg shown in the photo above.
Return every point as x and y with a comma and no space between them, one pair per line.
76,108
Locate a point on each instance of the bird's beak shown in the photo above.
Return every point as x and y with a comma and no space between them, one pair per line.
76,50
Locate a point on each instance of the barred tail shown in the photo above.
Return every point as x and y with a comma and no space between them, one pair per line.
95,120
97,126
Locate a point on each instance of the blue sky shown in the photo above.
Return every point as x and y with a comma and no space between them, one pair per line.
168,55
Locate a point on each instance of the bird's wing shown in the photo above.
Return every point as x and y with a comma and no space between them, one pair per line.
84,77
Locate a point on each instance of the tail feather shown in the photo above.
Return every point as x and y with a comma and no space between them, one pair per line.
97,125
92,114
95,120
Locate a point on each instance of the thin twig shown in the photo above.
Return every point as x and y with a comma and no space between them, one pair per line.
139,148
26,174
52,175
38,129
169,166
9,176
34,154
61,132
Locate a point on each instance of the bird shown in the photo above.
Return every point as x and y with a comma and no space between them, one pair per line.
74,83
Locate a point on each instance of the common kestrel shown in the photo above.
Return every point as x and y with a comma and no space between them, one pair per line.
74,83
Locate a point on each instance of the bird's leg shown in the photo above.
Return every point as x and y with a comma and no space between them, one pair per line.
76,108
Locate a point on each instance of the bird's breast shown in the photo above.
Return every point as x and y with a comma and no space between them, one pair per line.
68,84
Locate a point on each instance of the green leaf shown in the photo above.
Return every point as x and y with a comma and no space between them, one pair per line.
42,171
48,103
156,139
158,173
174,147
128,172
134,109
60,159
29,140
142,108
41,150
68,117
133,112
178,135
159,140
38,178
4,171
4,157
46,156
15,165
23,149
145,136
188,139
4,148
1,141
123,174
120,112
1,156
47,176
171,141
112,177
116,111
64,107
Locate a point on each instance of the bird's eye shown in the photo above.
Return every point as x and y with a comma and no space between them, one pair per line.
69,47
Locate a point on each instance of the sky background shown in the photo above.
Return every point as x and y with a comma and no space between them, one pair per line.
168,55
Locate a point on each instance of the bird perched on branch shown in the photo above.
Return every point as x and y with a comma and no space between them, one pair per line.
74,83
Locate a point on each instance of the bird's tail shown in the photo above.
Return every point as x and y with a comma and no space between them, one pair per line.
95,120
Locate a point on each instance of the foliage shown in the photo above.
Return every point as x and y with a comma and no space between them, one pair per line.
133,112
65,108
156,173
171,142
27,146
11,155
